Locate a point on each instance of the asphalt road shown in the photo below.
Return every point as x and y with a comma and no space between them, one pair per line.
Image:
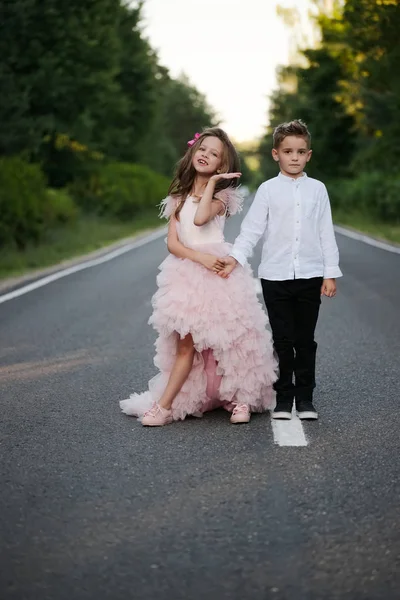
93,506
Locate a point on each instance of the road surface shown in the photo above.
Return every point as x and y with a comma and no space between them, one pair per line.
93,506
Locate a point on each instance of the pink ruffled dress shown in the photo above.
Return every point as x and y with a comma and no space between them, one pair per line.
234,362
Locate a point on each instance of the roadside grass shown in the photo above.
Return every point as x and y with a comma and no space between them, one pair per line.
87,234
369,225
91,233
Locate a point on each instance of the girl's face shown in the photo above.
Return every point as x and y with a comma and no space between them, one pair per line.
208,157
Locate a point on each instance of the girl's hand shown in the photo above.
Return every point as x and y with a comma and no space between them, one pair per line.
219,176
230,264
211,262
328,288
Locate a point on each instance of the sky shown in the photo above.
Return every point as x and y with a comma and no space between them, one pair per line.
229,49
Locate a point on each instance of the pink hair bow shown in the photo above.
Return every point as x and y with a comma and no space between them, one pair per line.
194,140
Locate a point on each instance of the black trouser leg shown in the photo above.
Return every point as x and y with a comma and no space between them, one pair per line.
280,304
308,301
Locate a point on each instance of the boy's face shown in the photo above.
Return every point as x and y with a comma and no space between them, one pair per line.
292,154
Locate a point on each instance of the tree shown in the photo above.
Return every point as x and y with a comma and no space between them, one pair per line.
372,89
79,78
135,104
181,111
59,62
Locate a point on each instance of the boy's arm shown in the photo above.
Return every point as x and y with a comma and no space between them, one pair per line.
253,226
329,247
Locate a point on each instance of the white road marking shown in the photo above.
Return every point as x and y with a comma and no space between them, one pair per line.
289,433
360,237
80,267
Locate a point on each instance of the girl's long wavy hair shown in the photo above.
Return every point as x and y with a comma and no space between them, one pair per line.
185,174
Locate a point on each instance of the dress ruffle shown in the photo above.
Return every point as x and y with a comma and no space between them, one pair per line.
234,361
167,207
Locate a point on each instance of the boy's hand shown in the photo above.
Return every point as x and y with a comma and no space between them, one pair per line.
328,288
229,264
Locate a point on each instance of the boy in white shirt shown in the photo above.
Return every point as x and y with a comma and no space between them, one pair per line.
300,262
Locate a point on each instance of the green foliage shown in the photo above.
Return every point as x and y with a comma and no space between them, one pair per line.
87,234
83,95
348,93
61,207
27,208
65,160
314,100
373,89
374,193
84,70
24,203
181,111
127,121
58,68
120,190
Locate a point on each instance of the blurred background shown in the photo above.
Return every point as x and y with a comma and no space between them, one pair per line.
99,98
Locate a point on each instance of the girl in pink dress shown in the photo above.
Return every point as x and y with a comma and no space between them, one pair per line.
213,348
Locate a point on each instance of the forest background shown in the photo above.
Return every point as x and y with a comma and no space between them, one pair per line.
92,125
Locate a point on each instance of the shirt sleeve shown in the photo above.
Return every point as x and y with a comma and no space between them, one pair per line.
329,247
253,226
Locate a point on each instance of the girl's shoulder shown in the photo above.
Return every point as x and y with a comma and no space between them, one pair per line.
232,198
168,206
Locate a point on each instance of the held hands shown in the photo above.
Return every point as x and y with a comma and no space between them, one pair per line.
229,263
224,267
220,266
328,288
211,262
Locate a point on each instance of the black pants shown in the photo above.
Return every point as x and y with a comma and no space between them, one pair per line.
293,308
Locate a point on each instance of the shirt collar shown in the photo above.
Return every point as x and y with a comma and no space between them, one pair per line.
289,179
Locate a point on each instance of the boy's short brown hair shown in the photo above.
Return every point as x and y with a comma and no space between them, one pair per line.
296,127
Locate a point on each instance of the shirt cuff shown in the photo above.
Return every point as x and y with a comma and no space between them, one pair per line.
238,256
332,272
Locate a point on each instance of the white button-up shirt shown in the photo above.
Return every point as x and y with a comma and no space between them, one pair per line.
294,215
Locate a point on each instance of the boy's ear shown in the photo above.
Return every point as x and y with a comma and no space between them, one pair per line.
275,155
309,155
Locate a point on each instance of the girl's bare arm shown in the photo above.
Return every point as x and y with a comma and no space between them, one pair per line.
180,251
208,206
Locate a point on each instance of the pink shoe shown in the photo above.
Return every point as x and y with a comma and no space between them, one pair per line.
157,416
240,414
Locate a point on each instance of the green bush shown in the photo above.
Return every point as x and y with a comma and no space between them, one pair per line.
120,190
62,208
28,210
371,193
24,205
